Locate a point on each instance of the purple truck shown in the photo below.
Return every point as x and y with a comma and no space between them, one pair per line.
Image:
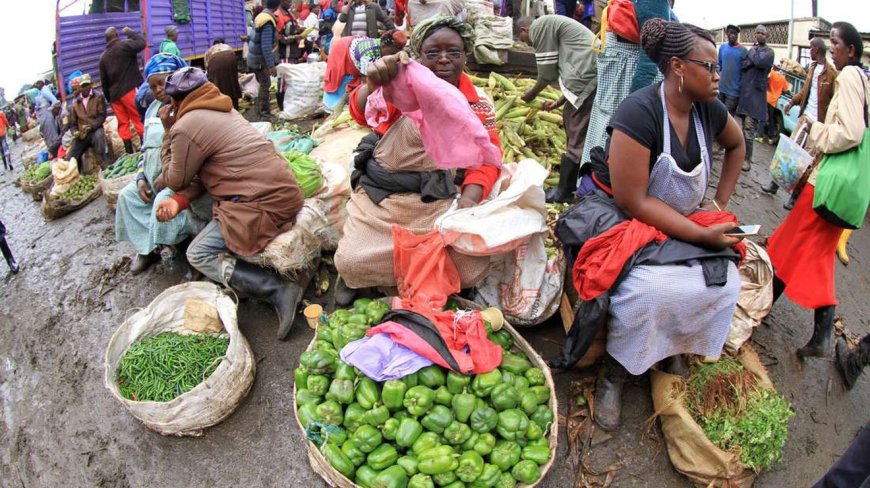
81,24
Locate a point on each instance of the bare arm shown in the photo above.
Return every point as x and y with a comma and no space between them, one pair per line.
735,150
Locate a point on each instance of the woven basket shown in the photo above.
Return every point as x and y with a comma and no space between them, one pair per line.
333,478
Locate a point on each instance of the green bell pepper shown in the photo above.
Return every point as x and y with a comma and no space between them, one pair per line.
534,432
348,333
506,480
543,416
357,319
365,475
318,362
512,424
521,384
409,464
508,377
463,406
505,454
437,419
393,394
538,454
541,393
383,457
528,403
443,396
457,433
344,371
483,419
455,484
535,376
432,376
515,363
402,414
318,384
543,441
426,441
330,412
488,478
341,391
391,477
322,345
419,399
411,380
307,413
504,397
367,394
377,416
339,317
304,396
325,334
354,417
300,376
526,472
437,460
338,459
470,466
360,304
390,429
485,444
456,382
484,383
353,453
408,433
336,436
375,312
421,480
468,445
444,479
503,338
367,439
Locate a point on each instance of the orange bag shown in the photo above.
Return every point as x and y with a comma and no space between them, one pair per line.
622,20
424,271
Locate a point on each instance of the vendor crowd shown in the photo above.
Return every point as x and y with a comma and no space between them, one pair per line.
653,253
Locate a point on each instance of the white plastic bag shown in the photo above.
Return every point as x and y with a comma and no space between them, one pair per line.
756,295
304,93
212,400
250,87
504,222
65,173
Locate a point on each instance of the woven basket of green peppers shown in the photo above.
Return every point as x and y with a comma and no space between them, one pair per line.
432,428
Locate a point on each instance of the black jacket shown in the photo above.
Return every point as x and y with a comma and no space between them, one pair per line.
119,66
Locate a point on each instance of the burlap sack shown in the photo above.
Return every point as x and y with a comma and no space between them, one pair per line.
37,190
201,317
689,449
112,187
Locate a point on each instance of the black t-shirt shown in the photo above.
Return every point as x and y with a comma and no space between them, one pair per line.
640,117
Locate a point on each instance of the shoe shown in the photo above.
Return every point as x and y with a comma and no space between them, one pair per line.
820,343
564,191
771,188
176,262
128,146
747,165
343,294
851,363
608,392
790,203
759,140
266,285
142,262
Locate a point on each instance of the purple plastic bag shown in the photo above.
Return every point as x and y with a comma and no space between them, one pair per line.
381,359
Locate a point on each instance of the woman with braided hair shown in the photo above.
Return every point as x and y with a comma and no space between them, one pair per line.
668,268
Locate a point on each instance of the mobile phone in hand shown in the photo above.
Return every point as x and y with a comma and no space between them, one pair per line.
744,231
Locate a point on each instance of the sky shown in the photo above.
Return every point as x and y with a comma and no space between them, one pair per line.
25,43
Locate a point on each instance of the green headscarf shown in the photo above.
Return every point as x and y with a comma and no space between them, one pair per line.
422,30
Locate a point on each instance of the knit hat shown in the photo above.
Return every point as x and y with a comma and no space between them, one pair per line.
185,81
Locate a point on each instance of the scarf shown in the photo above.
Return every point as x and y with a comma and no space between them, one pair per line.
206,97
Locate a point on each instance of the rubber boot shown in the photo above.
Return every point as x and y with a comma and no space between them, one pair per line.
343,294
771,188
266,285
608,393
7,254
851,363
128,146
790,203
564,192
141,262
176,261
820,344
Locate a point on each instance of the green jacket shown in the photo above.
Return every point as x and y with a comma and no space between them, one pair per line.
168,46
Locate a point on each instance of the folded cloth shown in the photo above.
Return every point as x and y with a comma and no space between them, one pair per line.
381,359
441,112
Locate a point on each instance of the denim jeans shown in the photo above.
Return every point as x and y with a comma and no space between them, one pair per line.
209,254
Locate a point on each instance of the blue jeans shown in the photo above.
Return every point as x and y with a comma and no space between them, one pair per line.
209,254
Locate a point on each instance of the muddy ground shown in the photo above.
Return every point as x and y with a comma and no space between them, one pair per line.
60,425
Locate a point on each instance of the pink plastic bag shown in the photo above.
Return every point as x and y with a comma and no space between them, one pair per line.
453,135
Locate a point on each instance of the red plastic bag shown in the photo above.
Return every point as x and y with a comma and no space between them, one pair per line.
424,271
622,20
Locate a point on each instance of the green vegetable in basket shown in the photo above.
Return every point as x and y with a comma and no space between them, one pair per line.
391,477
349,449
307,414
393,394
503,338
526,472
367,439
488,478
341,391
437,460
505,454
383,457
426,441
543,416
365,475
456,382
418,400
443,396
470,466
432,376
318,384
463,405
512,424
457,433
538,454
409,464
354,417
521,384
307,172
326,334
411,380
535,376
330,412
337,459
367,392
483,419
347,333
506,480
514,363
483,384
485,443
318,362
304,396
390,429
534,432
377,416
438,418
344,371
444,479
504,397
300,376
421,480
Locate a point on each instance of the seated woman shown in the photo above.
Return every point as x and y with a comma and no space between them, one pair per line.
349,61
677,295
211,148
135,218
365,253
802,248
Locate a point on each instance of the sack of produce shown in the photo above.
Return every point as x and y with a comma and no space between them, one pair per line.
31,135
287,141
725,423
304,92
82,192
431,427
118,175
307,172
36,180
214,371
756,295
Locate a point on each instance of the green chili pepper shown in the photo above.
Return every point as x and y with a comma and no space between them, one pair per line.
367,394
337,459
484,383
526,472
438,418
318,384
457,433
393,394
408,433
305,396
392,477
470,466
377,416
341,391
485,444
421,480
330,412
419,399
365,475
409,464
443,396
354,417
383,457
390,428
432,376
483,419
426,441
367,439
504,397
535,376
505,454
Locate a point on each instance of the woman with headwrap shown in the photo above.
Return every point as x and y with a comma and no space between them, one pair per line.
418,191
350,59
223,70
135,217
211,148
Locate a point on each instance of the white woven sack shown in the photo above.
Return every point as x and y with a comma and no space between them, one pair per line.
211,401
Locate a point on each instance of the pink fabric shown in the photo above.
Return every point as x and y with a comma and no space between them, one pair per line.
453,135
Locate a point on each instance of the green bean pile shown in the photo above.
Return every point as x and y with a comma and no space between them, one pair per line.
164,366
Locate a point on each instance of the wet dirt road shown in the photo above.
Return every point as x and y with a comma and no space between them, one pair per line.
60,426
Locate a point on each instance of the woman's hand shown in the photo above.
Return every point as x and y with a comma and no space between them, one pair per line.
167,115
144,192
471,196
385,69
168,209
714,237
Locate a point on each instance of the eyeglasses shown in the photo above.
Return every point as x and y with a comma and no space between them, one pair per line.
711,66
452,55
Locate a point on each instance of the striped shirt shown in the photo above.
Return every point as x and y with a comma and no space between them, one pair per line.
563,51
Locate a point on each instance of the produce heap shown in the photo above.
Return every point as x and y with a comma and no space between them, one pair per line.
736,413
306,170
162,367
123,166
431,428
37,173
83,187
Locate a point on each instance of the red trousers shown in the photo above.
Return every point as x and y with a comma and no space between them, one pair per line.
125,110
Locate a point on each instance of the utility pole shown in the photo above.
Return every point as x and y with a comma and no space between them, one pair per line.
791,28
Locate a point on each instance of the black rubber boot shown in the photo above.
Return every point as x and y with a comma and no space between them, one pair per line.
263,284
790,203
7,254
343,294
176,261
778,288
564,192
141,262
771,188
851,363
128,146
820,344
608,393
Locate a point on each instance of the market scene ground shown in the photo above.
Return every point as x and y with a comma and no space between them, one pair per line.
61,426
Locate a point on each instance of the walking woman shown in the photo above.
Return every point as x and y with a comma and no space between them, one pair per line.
802,249
7,253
